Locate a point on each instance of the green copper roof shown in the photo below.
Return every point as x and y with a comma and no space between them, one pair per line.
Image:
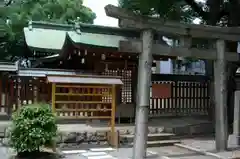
42,35
45,38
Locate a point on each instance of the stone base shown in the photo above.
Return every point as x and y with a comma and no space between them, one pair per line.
191,130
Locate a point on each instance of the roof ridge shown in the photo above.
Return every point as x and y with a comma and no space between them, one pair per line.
45,23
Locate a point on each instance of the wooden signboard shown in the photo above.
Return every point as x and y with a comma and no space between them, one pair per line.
161,90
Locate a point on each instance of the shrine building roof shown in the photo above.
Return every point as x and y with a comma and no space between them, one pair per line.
53,36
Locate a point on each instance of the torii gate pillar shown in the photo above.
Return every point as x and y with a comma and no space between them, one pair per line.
143,96
220,81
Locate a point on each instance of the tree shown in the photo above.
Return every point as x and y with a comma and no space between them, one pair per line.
167,9
212,12
16,15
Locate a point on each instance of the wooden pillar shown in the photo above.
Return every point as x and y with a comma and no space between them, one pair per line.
1,91
143,96
220,81
113,116
19,98
236,121
53,97
10,108
5,109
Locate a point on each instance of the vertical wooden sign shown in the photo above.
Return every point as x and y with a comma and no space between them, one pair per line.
161,90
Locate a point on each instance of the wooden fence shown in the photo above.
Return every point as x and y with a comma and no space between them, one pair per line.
186,95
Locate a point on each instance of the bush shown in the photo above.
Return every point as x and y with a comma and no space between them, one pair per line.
33,126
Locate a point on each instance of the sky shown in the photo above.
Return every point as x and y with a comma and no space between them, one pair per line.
97,6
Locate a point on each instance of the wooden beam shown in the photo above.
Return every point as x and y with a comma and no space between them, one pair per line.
164,50
118,13
186,41
236,121
130,20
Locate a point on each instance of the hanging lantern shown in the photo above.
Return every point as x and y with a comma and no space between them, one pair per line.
79,53
106,67
83,60
85,52
69,57
103,57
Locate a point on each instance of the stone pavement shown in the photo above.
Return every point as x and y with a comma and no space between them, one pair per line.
207,145
169,152
105,153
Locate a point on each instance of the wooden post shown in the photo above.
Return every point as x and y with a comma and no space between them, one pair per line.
236,121
19,86
10,107
7,94
113,115
143,96
53,97
54,111
220,80
1,92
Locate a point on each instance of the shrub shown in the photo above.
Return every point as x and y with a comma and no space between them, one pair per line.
33,126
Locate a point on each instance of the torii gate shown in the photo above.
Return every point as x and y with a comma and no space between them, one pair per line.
185,32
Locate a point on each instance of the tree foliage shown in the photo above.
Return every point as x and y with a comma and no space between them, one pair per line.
212,12
21,11
177,10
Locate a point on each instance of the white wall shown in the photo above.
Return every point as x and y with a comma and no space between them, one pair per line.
165,67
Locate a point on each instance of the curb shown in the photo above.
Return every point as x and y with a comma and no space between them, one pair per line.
199,151
165,157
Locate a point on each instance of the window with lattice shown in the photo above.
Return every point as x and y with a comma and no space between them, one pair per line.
126,89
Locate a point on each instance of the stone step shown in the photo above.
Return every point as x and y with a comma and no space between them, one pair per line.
151,137
189,130
160,143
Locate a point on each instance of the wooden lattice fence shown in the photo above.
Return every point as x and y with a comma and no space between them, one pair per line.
187,95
